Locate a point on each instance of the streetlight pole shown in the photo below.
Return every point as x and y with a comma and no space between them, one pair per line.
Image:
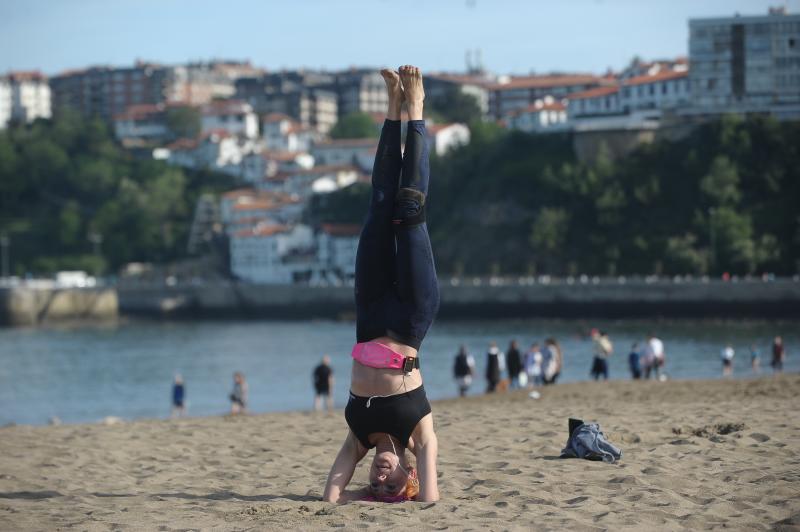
712,241
5,244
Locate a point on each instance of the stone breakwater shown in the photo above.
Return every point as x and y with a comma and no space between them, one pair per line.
482,298
33,305
25,305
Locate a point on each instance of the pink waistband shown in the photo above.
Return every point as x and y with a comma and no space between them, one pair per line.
377,355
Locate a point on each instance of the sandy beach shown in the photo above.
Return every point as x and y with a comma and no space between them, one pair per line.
696,455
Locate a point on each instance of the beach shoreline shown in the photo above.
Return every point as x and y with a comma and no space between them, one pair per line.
696,454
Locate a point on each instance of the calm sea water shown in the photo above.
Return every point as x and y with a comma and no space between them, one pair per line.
83,374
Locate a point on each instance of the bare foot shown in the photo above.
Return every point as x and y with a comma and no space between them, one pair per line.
395,90
415,93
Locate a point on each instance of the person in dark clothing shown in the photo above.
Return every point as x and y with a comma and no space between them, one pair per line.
513,364
323,383
493,369
463,370
178,397
778,354
633,362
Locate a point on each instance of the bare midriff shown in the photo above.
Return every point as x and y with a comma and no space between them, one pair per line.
367,382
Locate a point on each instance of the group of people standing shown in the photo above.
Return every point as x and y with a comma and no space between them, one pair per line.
540,365
778,356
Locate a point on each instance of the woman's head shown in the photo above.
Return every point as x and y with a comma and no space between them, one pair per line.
390,476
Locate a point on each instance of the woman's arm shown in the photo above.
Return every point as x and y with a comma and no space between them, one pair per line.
342,471
426,449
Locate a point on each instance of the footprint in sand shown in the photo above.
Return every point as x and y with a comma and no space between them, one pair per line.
759,437
577,500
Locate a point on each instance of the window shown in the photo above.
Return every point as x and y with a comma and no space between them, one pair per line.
663,88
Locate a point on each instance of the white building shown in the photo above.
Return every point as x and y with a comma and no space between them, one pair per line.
445,137
5,102
282,133
24,97
519,92
664,90
317,180
360,152
545,115
600,101
234,116
744,63
336,250
144,121
273,254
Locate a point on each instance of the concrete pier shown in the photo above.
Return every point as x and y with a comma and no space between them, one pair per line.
482,298
33,305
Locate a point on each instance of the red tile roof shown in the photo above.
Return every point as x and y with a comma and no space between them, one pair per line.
597,92
261,230
182,144
140,112
27,75
544,82
345,143
276,117
225,107
661,76
239,192
341,229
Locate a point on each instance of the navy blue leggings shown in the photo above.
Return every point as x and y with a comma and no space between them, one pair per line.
397,293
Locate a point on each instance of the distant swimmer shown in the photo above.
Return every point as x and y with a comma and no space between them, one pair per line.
397,297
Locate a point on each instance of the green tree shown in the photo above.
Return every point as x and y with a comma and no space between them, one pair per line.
456,106
354,126
184,121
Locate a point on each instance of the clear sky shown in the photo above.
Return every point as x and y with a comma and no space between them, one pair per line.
514,36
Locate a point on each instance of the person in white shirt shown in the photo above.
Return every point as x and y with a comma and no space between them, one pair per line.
727,355
655,356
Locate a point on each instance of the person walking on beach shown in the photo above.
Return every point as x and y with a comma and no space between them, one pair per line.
727,355
178,396
463,370
553,360
397,298
494,369
602,348
238,396
514,365
323,384
633,362
533,365
778,354
657,356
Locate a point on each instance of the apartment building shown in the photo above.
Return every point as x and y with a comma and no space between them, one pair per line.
745,62
514,93
361,91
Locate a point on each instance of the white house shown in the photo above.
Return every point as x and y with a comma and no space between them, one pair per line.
360,152
143,121
233,116
316,180
545,115
664,90
273,254
600,101
5,102
282,133
444,137
24,97
336,250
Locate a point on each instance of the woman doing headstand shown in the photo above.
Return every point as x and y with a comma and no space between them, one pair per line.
397,297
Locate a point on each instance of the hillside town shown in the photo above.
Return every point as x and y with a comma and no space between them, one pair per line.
270,131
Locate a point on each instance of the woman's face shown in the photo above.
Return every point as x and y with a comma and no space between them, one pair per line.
386,479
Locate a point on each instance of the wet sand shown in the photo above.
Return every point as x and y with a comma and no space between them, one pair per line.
696,455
